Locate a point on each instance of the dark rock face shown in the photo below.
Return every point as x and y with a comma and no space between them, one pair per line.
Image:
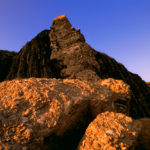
33,59
6,58
63,53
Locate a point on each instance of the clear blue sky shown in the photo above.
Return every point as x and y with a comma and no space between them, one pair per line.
119,28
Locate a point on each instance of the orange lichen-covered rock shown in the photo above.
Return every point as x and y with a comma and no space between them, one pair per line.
119,99
52,113
117,86
111,131
116,131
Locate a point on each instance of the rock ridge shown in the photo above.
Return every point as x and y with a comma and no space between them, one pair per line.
62,53
33,59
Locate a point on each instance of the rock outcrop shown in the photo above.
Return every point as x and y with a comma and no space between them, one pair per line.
110,131
6,58
52,114
115,131
33,60
63,53
141,94
76,59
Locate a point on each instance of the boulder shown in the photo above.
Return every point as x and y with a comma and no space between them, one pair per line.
116,131
40,113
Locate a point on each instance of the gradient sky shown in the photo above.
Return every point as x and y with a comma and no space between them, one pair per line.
119,28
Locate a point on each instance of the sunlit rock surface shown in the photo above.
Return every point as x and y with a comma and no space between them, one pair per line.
115,131
54,113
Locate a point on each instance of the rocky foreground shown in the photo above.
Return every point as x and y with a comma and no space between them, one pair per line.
54,114
57,93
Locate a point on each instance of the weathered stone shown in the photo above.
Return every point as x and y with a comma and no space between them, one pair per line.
53,113
111,131
140,103
75,59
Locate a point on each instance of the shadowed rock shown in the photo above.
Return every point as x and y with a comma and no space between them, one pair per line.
143,140
33,60
6,58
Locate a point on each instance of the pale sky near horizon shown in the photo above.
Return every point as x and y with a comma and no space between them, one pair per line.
119,28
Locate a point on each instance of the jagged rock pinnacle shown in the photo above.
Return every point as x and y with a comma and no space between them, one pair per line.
71,52
63,35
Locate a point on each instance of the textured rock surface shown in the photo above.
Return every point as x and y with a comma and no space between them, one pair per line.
111,131
121,97
66,55
6,58
53,114
141,94
33,59
74,58
69,50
